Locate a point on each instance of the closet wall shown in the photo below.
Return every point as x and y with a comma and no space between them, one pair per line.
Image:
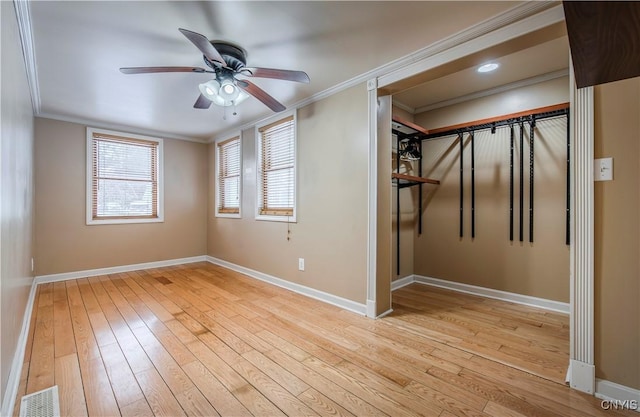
491,260
407,212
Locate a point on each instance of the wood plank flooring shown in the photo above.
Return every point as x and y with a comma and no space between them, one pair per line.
201,340
526,338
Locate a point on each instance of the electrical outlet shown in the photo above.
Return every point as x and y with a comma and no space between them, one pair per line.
33,265
300,264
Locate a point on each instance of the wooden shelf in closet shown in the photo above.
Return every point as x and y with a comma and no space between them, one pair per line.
413,179
410,124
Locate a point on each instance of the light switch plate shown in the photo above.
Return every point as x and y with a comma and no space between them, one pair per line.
603,169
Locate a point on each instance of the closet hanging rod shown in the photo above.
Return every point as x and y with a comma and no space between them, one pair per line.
559,110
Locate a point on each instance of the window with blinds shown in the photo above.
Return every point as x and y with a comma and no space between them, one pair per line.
123,178
276,169
228,177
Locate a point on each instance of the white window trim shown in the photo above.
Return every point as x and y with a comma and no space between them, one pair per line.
217,182
266,217
89,175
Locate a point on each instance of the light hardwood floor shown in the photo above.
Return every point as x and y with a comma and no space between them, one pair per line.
201,340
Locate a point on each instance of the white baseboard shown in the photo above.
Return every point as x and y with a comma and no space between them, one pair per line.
580,375
604,390
551,305
13,382
292,286
402,282
616,393
8,401
386,313
117,269
371,309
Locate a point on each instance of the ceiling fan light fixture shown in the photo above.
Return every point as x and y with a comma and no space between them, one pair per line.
242,96
210,89
228,90
225,94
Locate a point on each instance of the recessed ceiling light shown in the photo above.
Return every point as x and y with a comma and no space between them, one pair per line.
488,67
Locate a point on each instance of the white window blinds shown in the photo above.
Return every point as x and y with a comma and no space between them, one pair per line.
124,182
276,153
229,158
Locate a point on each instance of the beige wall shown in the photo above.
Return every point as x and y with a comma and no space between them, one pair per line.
617,234
401,113
16,194
512,101
331,229
490,260
65,243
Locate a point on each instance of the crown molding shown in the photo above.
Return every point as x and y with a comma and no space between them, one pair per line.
537,14
476,38
23,16
506,18
118,127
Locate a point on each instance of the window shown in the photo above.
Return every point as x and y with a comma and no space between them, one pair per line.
277,170
228,177
124,178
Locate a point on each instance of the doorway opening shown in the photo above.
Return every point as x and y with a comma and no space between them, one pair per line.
471,227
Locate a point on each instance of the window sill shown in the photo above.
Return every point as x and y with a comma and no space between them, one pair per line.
284,219
92,222
229,215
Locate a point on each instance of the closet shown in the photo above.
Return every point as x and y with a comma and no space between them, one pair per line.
515,138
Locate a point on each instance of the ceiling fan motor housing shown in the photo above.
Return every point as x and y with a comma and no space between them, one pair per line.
234,56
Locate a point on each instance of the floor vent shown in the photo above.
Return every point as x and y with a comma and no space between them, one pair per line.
43,403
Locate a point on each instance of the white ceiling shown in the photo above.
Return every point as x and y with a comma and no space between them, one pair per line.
79,47
545,60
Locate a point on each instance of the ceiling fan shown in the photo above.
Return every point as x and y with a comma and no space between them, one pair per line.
226,61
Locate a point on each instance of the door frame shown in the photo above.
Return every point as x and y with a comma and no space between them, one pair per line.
581,372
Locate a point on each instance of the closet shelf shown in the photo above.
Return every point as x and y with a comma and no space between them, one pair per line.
409,127
402,130
404,180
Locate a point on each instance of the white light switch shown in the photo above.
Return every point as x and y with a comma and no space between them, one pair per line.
603,169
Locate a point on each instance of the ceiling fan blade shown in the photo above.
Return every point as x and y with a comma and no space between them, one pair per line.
279,74
202,103
203,44
147,70
261,95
